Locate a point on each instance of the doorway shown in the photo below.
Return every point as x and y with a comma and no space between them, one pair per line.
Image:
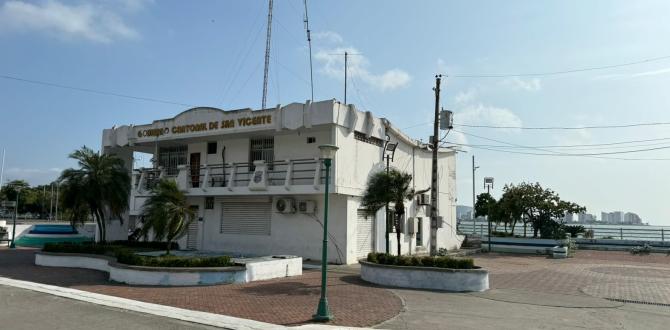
195,169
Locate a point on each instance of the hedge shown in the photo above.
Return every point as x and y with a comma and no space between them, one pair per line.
129,258
426,261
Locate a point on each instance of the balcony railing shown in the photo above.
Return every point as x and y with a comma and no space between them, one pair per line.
278,173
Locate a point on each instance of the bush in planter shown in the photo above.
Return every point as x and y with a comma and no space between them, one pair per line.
427,261
574,230
147,244
129,258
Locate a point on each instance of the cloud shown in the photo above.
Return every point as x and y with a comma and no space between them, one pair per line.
357,66
86,21
328,36
465,97
620,76
333,66
480,114
516,83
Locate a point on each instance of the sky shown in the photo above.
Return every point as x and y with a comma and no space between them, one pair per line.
212,53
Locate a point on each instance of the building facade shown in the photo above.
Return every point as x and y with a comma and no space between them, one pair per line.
257,184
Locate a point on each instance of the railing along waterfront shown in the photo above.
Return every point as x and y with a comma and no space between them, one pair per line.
624,232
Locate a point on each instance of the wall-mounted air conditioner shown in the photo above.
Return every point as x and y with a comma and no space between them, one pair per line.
285,205
423,199
308,207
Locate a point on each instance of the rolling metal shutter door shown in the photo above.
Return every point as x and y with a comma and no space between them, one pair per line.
364,228
246,216
192,238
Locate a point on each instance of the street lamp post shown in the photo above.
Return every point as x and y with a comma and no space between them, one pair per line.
16,213
323,312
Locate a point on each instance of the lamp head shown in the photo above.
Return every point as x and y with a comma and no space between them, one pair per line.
328,151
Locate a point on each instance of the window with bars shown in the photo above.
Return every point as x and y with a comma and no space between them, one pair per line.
209,203
261,148
371,140
211,148
171,157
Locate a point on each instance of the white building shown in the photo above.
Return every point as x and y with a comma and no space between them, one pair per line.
258,186
631,218
605,217
616,217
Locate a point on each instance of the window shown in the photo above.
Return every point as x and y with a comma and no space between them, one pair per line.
211,148
311,139
171,157
209,203
261,148
371,140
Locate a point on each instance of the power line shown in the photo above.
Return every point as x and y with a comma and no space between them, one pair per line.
593,145
662,123
558,72
558,153
564,127
94,91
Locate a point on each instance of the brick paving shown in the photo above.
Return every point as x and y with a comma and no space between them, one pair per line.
290,301
287,301
604,274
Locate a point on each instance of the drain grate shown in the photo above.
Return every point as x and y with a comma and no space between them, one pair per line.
628,301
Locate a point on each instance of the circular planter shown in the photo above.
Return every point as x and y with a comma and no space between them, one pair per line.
445,279
253,270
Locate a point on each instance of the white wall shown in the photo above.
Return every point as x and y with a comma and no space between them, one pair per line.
292,234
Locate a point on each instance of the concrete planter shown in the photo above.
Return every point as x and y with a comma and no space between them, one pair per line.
522,245
458,280
559,252
253,270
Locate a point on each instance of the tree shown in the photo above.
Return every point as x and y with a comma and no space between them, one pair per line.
543,207
166,214
385,188
100,186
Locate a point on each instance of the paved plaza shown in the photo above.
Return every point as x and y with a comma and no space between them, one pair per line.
595,289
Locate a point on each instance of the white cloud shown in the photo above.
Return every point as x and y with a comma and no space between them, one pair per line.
465,97
328,36
333,66
83,21
480,114
516,83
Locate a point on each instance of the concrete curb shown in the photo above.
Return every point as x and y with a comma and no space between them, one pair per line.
211,319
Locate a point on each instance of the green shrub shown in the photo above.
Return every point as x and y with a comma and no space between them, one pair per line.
574,230
69,247
146,245
129,258
426,261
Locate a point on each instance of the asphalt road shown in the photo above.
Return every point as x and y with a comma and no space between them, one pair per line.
24,309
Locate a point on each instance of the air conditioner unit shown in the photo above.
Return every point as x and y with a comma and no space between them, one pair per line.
308,207
285,205
423,199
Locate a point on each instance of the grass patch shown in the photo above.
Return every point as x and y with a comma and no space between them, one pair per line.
427,261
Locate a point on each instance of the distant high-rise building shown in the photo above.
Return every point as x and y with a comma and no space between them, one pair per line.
604,217
631,218
568,218
616,217
586,218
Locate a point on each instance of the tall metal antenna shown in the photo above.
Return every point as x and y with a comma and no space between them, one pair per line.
2,168
346,58
309,42
267,56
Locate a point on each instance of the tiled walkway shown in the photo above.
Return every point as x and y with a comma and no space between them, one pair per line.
604,274
289,301
286,301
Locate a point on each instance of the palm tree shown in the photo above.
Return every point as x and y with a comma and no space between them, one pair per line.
166,213
100,186
384,188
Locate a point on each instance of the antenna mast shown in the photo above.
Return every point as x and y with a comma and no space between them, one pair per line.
309,42
267,56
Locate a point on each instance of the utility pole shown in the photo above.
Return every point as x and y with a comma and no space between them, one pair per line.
57,190
2,168
433,183
474,168
267,56
51,202
346,58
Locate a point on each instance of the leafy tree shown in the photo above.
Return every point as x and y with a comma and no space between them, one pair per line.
541,205
166,214
100,186
392,187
